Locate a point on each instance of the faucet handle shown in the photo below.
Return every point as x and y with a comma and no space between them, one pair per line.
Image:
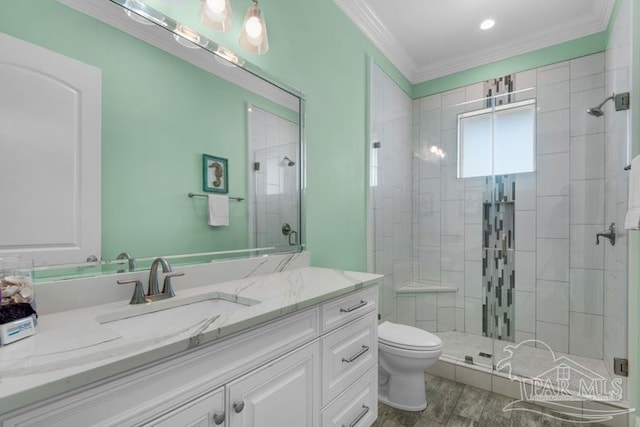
138,292
167,288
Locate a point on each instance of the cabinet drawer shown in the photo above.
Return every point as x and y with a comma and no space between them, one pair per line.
347,354
205,411
344,309
357,407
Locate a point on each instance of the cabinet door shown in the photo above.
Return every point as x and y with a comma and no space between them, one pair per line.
205,411
284,393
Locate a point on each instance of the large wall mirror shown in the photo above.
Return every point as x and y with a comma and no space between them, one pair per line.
166,98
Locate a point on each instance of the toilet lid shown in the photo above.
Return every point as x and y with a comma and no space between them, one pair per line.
408,337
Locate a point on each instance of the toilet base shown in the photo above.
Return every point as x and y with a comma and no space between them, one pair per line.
405,392
384,400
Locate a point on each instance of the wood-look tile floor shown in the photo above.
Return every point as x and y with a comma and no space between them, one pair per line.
453,404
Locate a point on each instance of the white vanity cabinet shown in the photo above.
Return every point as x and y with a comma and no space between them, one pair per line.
306,369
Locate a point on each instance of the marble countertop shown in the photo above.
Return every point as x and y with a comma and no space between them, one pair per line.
77,347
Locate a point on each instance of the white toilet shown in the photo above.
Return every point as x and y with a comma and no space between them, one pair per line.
404,352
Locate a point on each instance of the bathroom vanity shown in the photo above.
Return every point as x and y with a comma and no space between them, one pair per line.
295,348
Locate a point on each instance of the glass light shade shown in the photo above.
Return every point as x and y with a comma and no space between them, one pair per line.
253,37
216,14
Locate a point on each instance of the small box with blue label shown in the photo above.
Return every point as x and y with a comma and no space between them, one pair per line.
17,329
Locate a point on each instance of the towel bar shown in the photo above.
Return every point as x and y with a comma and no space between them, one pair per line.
206,195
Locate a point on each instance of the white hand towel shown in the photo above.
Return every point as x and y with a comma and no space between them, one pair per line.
632,221
218,210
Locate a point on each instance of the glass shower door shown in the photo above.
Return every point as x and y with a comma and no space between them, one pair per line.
276,188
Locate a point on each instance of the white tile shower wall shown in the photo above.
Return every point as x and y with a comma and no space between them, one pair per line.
559,269
391,193
618,80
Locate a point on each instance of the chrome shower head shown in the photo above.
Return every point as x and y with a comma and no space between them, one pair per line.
289,161
597,111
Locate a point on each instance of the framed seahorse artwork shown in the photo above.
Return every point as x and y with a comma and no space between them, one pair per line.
215,176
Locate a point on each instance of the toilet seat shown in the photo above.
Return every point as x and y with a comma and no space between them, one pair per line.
407,338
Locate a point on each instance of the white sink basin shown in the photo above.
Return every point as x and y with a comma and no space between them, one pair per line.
171,317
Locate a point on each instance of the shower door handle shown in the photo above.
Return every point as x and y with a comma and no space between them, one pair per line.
289,232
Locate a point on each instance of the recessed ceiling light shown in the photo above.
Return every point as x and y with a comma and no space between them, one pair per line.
487,23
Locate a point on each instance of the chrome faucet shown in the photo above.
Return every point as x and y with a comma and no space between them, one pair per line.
608,234
153,292
132,261
153,274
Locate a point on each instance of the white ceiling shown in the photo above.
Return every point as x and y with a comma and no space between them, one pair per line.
426,39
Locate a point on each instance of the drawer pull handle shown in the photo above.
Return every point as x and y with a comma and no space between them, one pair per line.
218,418
360,416
362,303
238,406
358,354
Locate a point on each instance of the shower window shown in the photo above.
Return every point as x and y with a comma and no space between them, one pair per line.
497,141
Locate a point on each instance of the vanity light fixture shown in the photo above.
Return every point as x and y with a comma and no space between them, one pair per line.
216,14
189,38
253,37
139,19
142,14
227,58
487,24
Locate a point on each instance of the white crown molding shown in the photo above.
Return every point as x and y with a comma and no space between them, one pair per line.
367,21
596,22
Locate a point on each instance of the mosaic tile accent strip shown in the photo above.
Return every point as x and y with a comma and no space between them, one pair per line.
501,188
498,260
499,86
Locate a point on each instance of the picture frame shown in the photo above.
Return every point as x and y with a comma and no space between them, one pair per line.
215,174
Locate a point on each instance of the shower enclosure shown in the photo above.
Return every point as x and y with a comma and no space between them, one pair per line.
493,248
274,179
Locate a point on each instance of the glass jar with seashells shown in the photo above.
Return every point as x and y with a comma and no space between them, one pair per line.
16,281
